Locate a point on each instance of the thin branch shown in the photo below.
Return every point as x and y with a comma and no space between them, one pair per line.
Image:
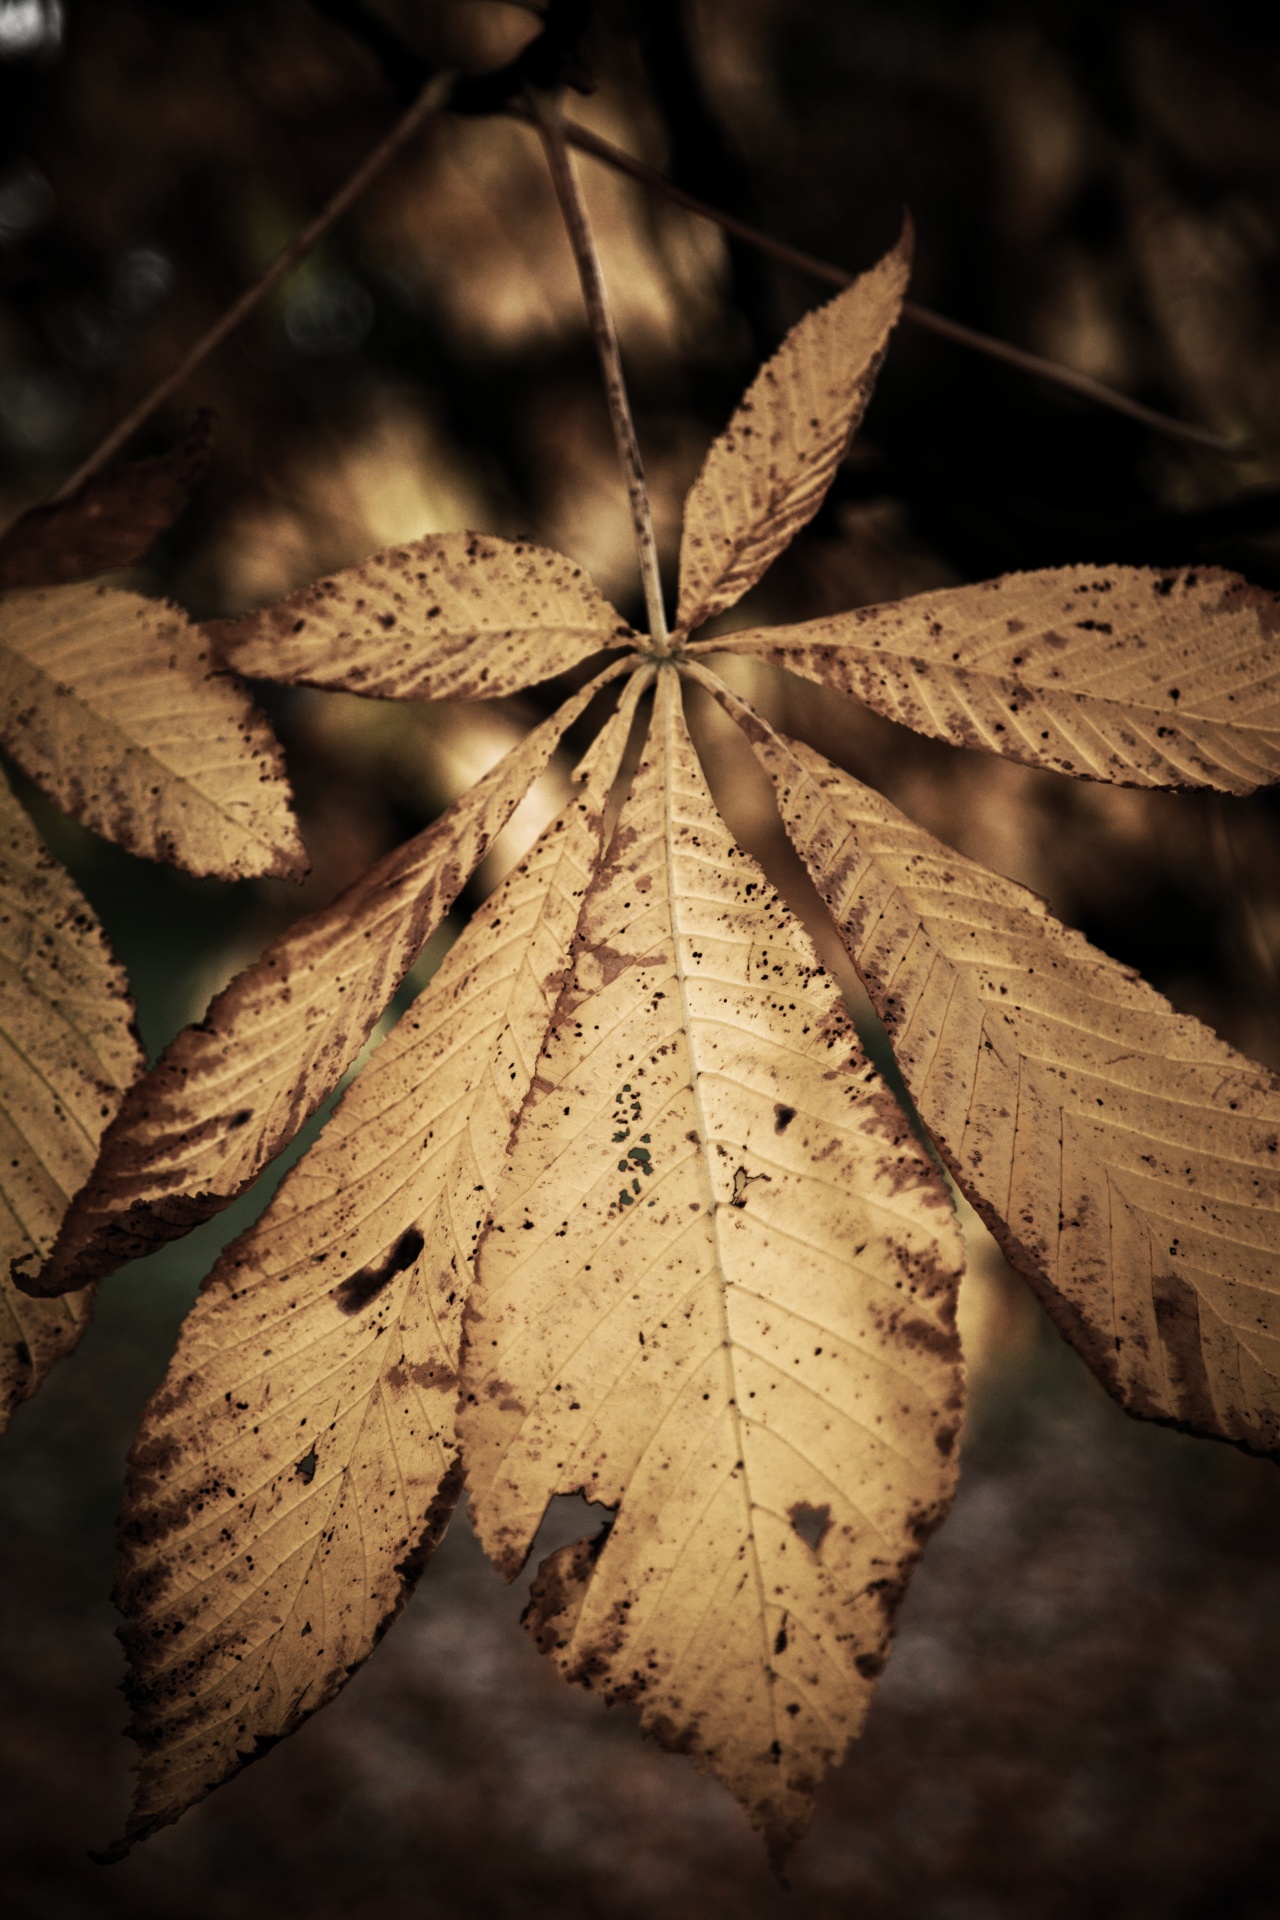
551,126
1067,378
398,59
429,102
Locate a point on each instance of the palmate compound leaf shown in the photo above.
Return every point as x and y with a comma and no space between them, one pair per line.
67,1051
298,1463
717,1289
111,704
718,1293
227,1095
1127,1159
766,475
456,616
1126,674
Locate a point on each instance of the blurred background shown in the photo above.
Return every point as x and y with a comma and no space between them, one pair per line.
1082,1716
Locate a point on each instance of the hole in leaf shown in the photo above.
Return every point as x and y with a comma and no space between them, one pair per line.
741,1181
568,1517
811,1523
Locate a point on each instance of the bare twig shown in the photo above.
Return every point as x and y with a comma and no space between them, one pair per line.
399,61
551,127
1067,378
428,103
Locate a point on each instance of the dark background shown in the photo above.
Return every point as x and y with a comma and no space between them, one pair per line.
1083,1713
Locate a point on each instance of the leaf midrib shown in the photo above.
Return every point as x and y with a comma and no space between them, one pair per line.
998,681
670,696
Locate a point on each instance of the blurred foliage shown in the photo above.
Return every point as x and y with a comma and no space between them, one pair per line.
1079,1716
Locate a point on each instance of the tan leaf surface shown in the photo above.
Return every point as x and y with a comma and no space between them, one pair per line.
1125,1157
1124,674
766,475
456,616
67,1051
227,1095
719,1290
298,1464
110,703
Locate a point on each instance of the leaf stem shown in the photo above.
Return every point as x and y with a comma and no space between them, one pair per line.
1080,384
550,125
433,97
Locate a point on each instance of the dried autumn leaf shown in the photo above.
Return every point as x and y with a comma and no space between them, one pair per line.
766,475
112,521
67,1051
111,704
226,1096
457,616
1126,1158
1124,674
298,1464
718,1294
717,1273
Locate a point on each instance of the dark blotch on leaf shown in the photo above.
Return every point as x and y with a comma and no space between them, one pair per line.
362,1287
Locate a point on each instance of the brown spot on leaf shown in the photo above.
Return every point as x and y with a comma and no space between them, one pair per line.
360,1288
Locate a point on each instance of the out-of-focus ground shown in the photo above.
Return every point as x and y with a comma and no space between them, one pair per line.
1083,1712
